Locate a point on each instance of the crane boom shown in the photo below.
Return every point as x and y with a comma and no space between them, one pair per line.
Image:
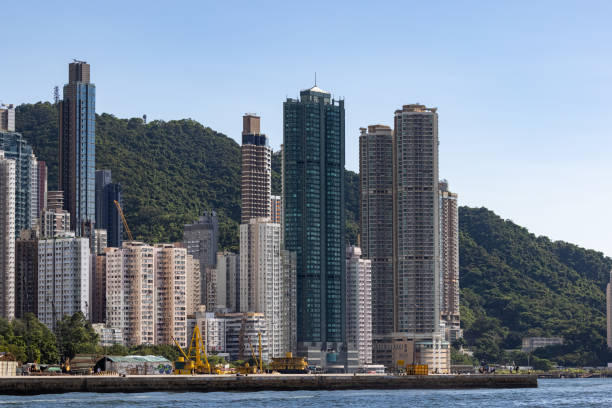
125,224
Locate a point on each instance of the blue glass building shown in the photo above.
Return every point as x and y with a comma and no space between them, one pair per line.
314,222
77,148
107,216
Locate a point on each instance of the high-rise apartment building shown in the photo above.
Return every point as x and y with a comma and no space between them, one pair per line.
264,283
416,234
376,222
359,303
241,330
53,222
77,148
107,215
202,241
26,274
7,237
146,292
63,278
449,262
227,282
275,209
7,118
609,310
98,284
314,222
256,171
170,294
26,178
192,286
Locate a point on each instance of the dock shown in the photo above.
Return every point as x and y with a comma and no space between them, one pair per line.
34,385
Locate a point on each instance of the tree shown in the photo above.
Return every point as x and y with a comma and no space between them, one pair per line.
75,335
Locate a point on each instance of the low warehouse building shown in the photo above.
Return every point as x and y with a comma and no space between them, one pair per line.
134,365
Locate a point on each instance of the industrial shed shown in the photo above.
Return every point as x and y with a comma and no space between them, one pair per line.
8,365
134,365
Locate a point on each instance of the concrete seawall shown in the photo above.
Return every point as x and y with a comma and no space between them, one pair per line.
201,383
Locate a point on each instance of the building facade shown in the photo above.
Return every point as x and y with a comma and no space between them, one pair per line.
275,209
376,222
63,278
256,171
26,274
449,263
242,331
7,237
264,283
359,303
42,187
107,215
130,292
314,221
54,222
202,241
7,117
77,148
26,178
170,294
192,285
227,282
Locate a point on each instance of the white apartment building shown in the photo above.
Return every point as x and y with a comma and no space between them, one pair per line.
63,278
263,280
54,221
7,237
359,304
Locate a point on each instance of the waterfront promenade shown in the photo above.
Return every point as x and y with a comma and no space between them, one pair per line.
32,385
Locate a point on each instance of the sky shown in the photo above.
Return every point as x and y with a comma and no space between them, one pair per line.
522,87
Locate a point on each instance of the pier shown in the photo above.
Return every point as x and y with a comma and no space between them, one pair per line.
33,385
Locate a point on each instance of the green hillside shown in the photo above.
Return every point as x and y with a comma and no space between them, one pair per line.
514,284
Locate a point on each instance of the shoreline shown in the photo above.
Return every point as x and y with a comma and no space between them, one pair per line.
35,385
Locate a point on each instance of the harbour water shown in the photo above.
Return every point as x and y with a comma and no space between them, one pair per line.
551,393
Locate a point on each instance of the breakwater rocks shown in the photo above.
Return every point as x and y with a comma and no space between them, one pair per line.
209,383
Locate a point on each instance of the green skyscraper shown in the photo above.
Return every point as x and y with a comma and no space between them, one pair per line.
314,223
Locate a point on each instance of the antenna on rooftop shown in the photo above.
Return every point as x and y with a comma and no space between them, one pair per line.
56,94
315,78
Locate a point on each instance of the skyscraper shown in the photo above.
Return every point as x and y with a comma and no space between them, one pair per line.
227,288
107,215
359,303
77,148
202,241
42,187
256,171
314,222
26,178
416,232
376,221
7,237
449,262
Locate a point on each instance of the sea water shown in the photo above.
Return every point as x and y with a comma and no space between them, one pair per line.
550,393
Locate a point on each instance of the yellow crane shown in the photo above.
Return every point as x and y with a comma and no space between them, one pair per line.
125,224
258,363
191,362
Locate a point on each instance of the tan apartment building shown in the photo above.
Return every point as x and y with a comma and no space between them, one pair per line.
256,170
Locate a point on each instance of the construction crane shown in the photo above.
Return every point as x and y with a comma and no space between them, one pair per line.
258,363
125,224
191,362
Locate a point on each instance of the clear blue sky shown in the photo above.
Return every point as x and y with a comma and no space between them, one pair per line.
523,88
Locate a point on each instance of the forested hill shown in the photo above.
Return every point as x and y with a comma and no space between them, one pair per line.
514,284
